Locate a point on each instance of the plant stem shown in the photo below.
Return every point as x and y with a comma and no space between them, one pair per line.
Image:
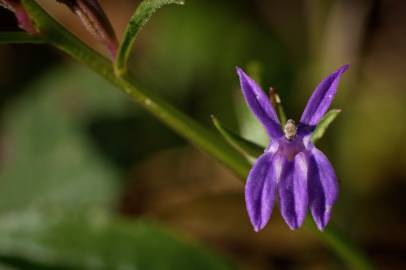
19,38
206,140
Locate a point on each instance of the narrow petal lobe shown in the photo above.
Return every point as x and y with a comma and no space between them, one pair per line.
321,98
293,191
260,191
259,104
323,188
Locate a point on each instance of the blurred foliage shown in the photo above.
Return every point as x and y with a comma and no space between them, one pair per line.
196,67
140,17
48,156
93,240
56,187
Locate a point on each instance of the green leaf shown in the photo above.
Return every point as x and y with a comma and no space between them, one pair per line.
48,148
324,124
247,148
91,239
137,21
55,184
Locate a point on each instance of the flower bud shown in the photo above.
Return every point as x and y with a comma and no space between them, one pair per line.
24,21
93,17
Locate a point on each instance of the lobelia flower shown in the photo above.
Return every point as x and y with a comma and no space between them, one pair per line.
291,165
24,21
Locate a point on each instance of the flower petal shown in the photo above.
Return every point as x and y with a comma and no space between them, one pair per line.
293,191
260,191
260,104
321,98
323,188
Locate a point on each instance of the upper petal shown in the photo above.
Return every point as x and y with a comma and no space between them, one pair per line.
293,191
260,191
259,104
321,98
322,186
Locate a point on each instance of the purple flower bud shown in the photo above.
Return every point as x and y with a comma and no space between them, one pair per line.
24,21
291,167
93,17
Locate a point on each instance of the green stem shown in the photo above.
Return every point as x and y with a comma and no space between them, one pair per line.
209,142
19,38
204,139
348,252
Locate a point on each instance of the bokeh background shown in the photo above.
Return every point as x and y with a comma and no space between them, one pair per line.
89,180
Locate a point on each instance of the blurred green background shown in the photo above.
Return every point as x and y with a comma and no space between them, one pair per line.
89,180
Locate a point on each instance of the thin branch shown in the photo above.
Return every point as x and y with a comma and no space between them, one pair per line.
20,38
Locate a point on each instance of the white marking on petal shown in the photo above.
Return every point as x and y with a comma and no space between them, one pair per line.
278,165
273,147
302,162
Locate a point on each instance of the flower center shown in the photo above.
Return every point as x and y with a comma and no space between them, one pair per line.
290,130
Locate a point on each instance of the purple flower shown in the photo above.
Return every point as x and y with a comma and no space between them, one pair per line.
291,165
